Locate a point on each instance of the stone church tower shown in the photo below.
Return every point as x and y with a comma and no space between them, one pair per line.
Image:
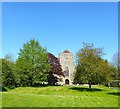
68,66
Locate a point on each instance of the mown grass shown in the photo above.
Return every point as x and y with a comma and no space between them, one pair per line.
60,96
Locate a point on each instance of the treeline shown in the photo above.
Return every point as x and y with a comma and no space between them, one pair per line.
35,67
93,69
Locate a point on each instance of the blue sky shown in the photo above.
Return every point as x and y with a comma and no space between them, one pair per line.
61,25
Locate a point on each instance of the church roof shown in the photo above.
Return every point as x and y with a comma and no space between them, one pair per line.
66,51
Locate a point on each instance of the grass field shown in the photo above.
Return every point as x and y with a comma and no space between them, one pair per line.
61,96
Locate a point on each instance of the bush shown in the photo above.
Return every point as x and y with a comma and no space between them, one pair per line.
115,83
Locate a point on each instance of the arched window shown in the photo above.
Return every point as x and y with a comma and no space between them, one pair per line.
66,72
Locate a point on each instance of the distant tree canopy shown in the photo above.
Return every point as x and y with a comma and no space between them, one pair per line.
7,73
9,57
91,68
32,65
116,66
116,60
36,66
56,70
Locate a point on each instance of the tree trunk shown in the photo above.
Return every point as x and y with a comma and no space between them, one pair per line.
90,85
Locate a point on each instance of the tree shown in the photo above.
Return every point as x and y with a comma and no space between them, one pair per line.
115,69
114,73
91,68
32,64
116,60
9,57
56,70
8,73
116,65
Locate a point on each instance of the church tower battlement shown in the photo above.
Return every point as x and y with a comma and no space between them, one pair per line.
68,66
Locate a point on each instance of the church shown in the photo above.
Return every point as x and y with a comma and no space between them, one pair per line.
68,67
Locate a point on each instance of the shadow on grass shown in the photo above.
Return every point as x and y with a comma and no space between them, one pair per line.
3,89
44,86
115,93
85,89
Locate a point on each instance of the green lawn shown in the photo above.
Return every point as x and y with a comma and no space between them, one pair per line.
60,96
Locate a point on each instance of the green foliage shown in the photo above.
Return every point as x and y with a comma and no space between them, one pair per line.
8,73
32,64
116,59
9,57
116,66
114,73
115,83
91,68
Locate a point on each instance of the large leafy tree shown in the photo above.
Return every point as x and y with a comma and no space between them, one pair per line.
55,73
91,68
7,73
32,64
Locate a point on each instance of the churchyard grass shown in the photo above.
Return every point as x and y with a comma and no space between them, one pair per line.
61,96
